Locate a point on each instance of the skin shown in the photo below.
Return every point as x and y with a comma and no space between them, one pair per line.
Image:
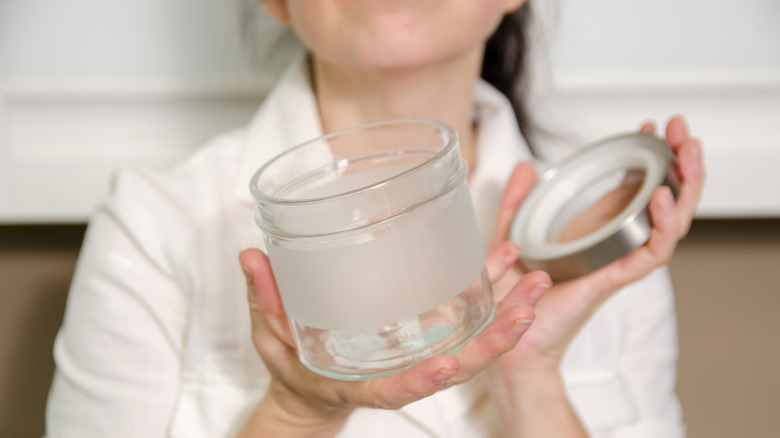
376,60
386,59
529,373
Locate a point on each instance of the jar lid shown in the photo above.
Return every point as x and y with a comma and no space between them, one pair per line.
591,209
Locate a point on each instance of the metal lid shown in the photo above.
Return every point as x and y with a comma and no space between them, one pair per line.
590,209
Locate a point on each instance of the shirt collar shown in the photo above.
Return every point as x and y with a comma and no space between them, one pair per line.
289,116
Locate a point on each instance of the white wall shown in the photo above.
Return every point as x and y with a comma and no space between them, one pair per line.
618,62
140,39
681,34
87,85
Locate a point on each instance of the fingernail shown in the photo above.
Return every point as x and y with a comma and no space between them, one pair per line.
248,275
537,292
512,256
442,377
519,327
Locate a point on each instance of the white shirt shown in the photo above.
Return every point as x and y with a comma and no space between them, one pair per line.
156,336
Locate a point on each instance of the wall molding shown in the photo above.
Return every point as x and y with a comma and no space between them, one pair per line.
733,112
235,85
60,141
713,80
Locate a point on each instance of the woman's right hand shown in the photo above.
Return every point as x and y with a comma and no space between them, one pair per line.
300,402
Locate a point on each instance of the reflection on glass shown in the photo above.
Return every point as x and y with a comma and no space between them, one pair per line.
595,205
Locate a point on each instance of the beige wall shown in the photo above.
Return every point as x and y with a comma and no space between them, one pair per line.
36,264
726,274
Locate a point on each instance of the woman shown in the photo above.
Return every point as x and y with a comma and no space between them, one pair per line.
155,340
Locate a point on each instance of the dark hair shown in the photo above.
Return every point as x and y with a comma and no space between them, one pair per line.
503,63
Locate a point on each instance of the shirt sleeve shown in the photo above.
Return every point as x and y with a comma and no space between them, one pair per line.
648,360
118,352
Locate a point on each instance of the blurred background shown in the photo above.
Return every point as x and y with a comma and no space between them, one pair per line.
86,87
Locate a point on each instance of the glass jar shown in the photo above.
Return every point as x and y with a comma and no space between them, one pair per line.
374,244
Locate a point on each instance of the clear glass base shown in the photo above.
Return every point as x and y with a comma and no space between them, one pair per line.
369,353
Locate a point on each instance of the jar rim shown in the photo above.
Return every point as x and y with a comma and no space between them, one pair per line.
451,142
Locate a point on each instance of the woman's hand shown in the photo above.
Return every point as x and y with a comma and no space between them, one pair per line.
567,306
301,402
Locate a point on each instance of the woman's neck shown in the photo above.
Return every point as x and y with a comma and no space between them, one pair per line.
444,91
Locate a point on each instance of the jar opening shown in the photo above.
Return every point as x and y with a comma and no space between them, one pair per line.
347,179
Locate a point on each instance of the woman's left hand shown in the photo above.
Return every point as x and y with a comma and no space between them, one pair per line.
567,305
525,382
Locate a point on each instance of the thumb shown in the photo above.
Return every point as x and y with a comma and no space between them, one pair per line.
520,183
265,303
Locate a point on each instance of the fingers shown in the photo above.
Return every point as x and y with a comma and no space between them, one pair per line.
265,304
514,315
520,183
661,209
397,390
500,259
663,237
676,132
691,170
690,167
671,220
528,291
273,340
656,252
692,183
